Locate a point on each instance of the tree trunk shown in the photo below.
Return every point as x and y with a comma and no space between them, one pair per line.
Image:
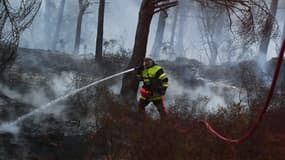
173,29
47,30
268,29
213,52
58,25
216,39
78,32
130,84
283,34
20,19
100,31
2,23
181,30
212,24
159,34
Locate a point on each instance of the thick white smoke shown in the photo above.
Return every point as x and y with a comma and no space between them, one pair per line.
214,92
58,84
37,97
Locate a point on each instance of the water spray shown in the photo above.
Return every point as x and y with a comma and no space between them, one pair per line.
51,103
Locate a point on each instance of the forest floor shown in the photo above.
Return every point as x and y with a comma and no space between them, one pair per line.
113,137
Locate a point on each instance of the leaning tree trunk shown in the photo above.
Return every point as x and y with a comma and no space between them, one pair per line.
100,31
159,34
130,84
147,10
268,29
58,24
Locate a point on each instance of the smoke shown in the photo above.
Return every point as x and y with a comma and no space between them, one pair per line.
9,128
115,27
62,83
125,27
208,98
35,97
58,85
7,91
123,30
262,69
261,62
211,96
116,88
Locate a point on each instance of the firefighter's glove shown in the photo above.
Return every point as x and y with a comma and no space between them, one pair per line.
145,93
139,68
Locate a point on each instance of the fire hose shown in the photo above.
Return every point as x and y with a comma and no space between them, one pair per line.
264,108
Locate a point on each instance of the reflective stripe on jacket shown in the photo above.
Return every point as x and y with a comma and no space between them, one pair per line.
154,80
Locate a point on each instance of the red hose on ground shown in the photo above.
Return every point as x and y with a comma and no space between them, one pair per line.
265,106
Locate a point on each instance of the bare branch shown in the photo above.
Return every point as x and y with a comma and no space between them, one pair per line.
12,22
164,6
249,15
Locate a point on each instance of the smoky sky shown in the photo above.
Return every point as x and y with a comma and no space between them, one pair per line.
121,17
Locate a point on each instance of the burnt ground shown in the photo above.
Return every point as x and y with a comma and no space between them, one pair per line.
51,138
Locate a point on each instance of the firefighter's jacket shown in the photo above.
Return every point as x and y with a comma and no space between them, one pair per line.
154,80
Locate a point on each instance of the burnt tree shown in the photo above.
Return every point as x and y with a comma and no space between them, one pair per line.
248,15
13,21
159,34
267,30
212,24
58,24
49,8
173,28
83,5
100,31
248,20
147,10
182,10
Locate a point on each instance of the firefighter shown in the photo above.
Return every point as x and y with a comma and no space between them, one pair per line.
155,83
